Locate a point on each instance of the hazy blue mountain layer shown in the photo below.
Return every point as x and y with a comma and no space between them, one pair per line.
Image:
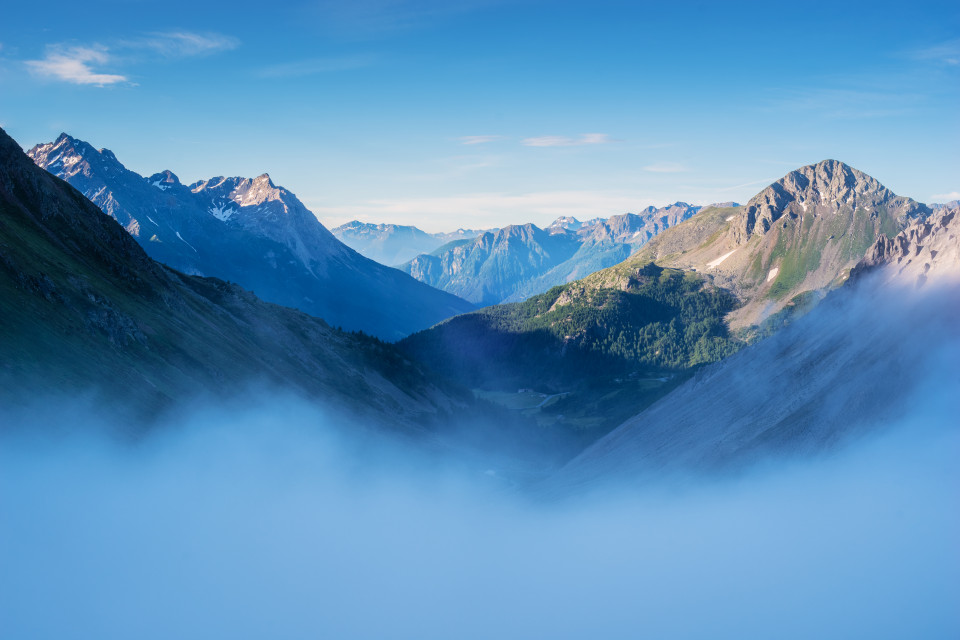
518,261
394,244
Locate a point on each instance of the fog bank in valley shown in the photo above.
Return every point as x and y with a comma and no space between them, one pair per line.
268,522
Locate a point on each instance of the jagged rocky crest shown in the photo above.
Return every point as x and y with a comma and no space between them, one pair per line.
927,249
821,188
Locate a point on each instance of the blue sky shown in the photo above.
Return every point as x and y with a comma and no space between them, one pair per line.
483,113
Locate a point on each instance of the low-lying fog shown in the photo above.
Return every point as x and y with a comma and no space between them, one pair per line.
261,523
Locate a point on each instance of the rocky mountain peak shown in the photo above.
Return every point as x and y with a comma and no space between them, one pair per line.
244,191
164,180
566,222
70,156
818,189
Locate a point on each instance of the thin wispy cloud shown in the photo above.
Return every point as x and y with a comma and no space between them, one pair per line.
313,66
945,53
665,167
75,65
747,184
945,197
183,44
453,168
84,64
563,141
847,103
479,139
485,210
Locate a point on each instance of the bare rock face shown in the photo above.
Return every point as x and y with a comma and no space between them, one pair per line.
927,249
819,189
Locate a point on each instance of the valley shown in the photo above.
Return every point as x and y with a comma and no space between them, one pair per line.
560,369
426,320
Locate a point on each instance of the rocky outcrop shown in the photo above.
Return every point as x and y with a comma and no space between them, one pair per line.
927,249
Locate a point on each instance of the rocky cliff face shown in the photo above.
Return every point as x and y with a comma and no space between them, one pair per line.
259,207
927,250
495,264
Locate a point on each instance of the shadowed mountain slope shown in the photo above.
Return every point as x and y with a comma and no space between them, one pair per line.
85,309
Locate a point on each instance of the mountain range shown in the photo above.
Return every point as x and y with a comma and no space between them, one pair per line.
254,233
696,293
515,262
394,244
878,352
86,310
654,362
798,237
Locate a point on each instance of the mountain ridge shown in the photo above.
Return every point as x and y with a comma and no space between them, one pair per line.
250,231
803,233
515,262
395,244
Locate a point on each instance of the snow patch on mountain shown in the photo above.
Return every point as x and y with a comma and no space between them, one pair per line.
184,241
222,212
718,261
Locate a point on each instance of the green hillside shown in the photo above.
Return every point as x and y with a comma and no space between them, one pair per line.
608,350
